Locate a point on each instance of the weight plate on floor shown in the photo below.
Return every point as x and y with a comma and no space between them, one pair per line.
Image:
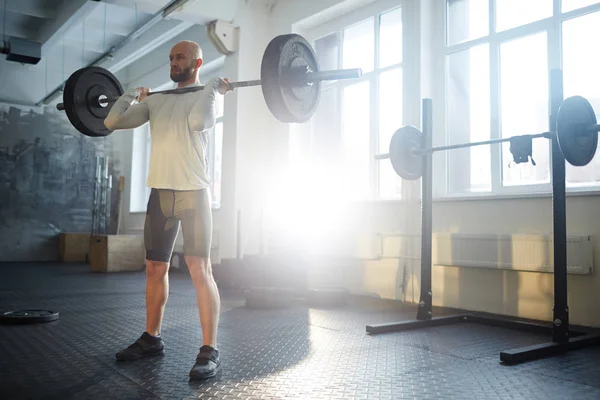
82,91
406,163
287,56
577,143
28,316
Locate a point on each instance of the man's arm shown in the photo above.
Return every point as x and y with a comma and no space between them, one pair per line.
204,112
124,115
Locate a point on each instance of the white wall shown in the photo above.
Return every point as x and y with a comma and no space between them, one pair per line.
247,137
294,16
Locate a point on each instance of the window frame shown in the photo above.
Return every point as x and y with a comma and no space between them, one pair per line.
409,64
553,27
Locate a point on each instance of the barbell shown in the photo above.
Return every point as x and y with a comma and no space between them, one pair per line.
290,81
576,132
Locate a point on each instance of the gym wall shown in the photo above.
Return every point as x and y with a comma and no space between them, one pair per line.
527,294
47,171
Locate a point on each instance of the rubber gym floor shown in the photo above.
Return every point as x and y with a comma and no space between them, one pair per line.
296,353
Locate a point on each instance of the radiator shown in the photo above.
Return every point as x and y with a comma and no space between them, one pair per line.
520,252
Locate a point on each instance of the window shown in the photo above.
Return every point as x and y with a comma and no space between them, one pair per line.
355,139
215,161
468,118
570,5
524,96
356,118
467,20
581,78
498,63
140,162
513,13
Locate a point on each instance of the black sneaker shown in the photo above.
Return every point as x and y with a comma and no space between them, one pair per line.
208,363
146,346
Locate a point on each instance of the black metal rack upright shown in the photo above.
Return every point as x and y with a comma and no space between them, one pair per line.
563,338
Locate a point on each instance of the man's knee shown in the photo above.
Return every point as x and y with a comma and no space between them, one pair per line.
199,265
156,269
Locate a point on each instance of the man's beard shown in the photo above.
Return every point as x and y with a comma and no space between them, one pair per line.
182,75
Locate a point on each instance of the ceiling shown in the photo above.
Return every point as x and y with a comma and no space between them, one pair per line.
77,33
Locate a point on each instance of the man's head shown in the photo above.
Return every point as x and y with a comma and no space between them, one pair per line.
186,59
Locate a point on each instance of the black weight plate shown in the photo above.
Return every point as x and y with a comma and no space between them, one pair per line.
289,103
82,90
575,139
404,143
28,316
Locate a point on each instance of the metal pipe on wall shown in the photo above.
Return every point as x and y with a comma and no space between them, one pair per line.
108,55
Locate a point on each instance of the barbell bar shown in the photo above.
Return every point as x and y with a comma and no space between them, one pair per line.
289,76
422,152
576,131
299,78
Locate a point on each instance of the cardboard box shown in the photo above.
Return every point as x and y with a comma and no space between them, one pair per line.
115,253
73,247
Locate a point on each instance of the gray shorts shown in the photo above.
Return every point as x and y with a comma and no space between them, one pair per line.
167,211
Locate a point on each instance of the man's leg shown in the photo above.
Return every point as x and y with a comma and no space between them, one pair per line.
160,233
194,209
207,294
157,293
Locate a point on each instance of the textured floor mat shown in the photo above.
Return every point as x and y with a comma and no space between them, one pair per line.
294,353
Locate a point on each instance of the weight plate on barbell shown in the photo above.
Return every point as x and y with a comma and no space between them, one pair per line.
28,316
577,142
82,92
285,55
403,145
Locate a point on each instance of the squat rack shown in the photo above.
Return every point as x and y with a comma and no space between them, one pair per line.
563,338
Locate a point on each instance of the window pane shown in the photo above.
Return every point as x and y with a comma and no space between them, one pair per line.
325,132
580,76
390,38
524,106
390,120
468,111
217,163
220,106
467,20
140,164
513,13
356,139
324,152
327,50
359,46
568,5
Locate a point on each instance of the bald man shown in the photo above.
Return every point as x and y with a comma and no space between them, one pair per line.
180,196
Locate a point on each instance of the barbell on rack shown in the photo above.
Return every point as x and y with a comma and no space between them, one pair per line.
576,131
290,81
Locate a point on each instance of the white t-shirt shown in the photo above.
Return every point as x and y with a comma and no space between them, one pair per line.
180,125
